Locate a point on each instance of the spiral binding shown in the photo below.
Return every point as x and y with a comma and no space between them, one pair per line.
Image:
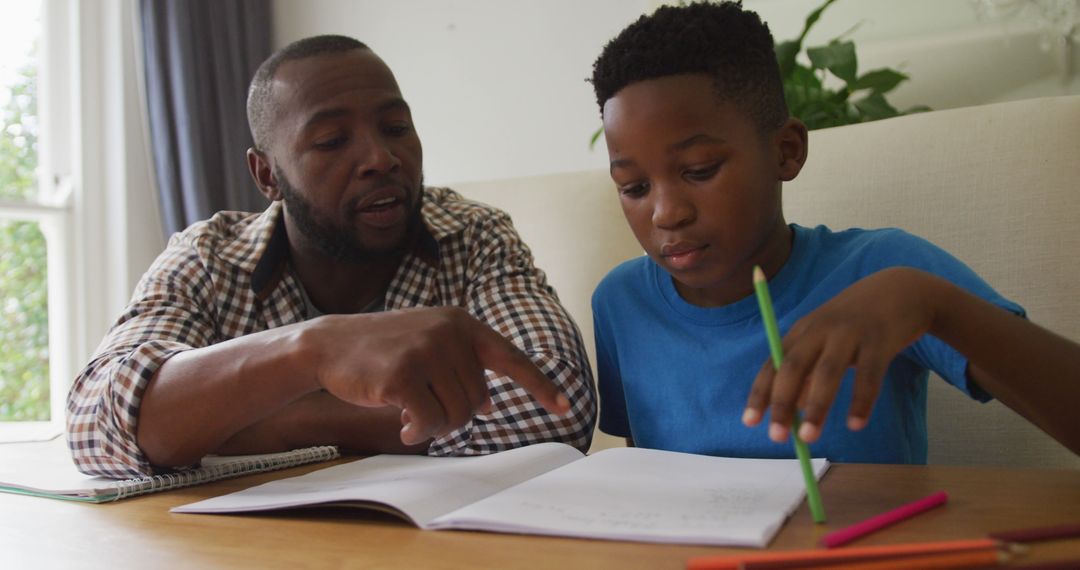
168,481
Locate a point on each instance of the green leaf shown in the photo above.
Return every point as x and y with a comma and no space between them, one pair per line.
786,51
838,57
874,107
810,21
595,137
785,56
802,90
803,76
880,80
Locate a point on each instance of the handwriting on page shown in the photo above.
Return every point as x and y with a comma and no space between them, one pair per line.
716,508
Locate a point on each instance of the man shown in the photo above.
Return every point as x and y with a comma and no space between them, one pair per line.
360,309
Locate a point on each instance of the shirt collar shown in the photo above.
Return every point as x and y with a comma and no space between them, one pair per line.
261,247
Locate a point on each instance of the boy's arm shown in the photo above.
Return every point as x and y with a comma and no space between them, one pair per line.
1028,368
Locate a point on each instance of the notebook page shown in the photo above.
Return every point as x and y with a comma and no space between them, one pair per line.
648,495
422,488
45,467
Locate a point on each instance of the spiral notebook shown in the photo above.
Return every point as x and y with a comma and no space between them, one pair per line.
45,469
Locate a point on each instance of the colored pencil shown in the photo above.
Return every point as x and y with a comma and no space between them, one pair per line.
772,332
980,558
1039,533
835,556
1071,564
873,524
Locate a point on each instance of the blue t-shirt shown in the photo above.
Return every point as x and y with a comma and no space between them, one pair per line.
677,376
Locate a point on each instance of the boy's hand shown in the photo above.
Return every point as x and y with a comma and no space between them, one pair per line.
865,326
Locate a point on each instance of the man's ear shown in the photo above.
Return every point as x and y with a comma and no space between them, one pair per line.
263,173
793,143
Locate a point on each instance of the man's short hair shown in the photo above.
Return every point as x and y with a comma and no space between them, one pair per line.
722,40
260,102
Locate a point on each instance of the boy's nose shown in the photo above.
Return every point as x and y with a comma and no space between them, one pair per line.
671,209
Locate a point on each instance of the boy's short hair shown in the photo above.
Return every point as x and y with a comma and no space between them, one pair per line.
723,40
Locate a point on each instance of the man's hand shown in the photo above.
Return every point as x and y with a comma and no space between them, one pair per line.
428,362
864,327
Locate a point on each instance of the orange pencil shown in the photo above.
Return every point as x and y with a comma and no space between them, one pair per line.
982,558
839,555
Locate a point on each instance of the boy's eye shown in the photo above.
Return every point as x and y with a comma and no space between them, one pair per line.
701,174
330,144
634,190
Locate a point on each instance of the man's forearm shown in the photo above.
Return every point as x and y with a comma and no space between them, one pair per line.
201,398
321,419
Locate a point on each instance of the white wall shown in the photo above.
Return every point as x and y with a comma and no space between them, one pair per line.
497,86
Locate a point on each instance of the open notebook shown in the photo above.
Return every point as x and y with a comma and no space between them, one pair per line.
552,489
45,469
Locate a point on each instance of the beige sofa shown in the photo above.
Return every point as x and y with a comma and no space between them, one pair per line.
997,185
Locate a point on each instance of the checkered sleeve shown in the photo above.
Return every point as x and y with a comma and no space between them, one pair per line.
512,296
169,313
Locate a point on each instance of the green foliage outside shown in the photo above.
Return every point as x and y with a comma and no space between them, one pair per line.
24,341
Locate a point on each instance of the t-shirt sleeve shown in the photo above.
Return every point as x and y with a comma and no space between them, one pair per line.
929,351
613,416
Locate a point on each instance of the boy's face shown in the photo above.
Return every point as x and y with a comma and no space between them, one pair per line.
699,183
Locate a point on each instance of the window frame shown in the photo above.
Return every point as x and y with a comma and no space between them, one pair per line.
52,212
97,199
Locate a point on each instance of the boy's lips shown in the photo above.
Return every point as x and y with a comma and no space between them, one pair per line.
683,255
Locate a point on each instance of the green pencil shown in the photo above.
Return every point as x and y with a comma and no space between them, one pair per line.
772,331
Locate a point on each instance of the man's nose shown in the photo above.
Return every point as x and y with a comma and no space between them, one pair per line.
377,158
671,208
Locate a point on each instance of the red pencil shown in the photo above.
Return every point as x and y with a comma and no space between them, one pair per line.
1039,533
858,530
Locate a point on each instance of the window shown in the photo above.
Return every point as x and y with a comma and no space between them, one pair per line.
34,221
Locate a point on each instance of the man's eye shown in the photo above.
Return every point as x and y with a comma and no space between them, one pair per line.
702,174
330,144
398,129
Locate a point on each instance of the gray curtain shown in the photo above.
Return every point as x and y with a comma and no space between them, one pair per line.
200,56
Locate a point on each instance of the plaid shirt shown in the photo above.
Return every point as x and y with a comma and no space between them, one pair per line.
229,276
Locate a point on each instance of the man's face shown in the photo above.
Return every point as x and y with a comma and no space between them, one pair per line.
346,158
699,185
329,237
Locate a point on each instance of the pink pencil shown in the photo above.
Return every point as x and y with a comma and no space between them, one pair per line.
857,530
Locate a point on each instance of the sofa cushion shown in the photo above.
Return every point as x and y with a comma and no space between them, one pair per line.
997,186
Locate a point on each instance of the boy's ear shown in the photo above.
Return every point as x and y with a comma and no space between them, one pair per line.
263,173
793,142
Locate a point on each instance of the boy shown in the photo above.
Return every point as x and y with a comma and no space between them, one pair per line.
700,141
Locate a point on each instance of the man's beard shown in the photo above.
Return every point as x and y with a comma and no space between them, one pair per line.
337,242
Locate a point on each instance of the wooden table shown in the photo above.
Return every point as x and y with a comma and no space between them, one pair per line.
142,533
